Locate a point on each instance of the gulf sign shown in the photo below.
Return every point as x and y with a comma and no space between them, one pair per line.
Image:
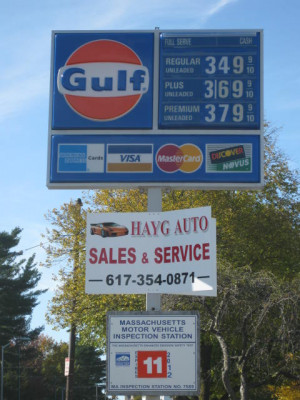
102,81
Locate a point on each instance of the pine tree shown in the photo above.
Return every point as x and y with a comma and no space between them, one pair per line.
18,296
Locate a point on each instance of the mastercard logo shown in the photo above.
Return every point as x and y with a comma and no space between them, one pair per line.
186,158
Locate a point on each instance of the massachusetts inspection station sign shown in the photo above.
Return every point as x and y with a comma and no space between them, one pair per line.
166,252
151,353
164,108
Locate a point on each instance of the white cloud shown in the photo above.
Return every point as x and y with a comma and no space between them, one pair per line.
27,49
21,93
167,14
218,6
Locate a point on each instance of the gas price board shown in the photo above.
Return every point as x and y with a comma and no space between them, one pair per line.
209,81
165,108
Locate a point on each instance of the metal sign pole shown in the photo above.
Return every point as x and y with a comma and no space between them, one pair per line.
154,193
154,205
153,299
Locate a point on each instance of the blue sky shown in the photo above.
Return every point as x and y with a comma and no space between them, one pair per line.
24,87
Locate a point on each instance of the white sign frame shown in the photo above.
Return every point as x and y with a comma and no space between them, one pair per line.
164,252
126,358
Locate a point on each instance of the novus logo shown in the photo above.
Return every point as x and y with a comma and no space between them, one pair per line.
103,80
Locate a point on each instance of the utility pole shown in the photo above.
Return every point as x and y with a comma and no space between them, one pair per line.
72,337
11,343
71,355
2,366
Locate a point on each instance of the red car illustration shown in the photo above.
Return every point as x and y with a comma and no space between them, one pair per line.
110,229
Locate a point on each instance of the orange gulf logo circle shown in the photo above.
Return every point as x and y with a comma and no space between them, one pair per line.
186,158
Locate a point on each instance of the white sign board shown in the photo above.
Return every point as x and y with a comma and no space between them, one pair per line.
164,252
153,353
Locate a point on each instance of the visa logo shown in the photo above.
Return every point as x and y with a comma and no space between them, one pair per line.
103,79
130,158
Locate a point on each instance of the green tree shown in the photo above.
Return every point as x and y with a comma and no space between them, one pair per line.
18,297
18,293
89,371
43,370
71,305
254,321
256,230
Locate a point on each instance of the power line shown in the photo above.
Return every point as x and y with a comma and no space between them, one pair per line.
33,247
42,244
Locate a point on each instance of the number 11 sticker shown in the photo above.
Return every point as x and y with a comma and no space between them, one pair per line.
152,364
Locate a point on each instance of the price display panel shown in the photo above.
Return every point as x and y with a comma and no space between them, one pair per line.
210,80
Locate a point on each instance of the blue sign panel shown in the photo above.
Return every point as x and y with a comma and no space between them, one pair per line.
102,81
163,108
210,80
187,159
